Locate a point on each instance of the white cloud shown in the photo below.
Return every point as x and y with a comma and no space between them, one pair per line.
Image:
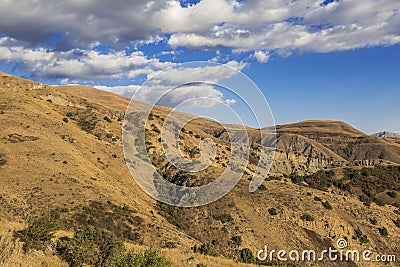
196,73
194,95
78,64
191,83
261,56
249,25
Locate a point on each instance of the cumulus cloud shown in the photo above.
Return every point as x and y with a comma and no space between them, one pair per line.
199,95
78,64
261,56
250,25
200,73
194,84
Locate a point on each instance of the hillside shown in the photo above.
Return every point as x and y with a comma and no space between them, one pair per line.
61,150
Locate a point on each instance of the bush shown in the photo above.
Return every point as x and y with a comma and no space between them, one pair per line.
262,187
373,221
392,194
272,211
327,205
92,246
296,179
65,120
237,240
246,256
107,119
206,249
307,217
149,258
109,135
358,235
317,198
119,221
397,222
383,231
2,160
69,114
38,234
224,218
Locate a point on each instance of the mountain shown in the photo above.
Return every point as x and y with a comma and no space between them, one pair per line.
386,134
61,151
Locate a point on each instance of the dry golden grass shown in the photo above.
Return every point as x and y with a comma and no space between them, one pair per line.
53,164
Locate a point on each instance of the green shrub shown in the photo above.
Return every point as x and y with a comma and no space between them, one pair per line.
397,212
383,231
272,211
2,160
317,198
206,249
397,222
307,217
262,187
358,235
38,234
107,119
224,218
296,179
246,256
119,221
237,240
109,135
69,114
65,119
92,246
327,205
373,221
392,194
149,258
88,125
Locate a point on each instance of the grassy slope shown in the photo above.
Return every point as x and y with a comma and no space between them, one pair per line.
35,143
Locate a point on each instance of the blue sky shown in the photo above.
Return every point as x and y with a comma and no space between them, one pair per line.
311,59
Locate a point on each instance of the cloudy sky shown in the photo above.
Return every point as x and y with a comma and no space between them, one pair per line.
311,59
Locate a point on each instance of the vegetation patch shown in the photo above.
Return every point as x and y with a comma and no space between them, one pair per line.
358,235
246,256
307,217
39,232
3,161
206,249
224,217
272,211
118,219
93,246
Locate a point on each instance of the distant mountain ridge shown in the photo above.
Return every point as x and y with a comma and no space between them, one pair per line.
386,134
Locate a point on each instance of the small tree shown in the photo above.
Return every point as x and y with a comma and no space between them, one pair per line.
272,211
149,258
93,246
246,256
39,232
383,231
